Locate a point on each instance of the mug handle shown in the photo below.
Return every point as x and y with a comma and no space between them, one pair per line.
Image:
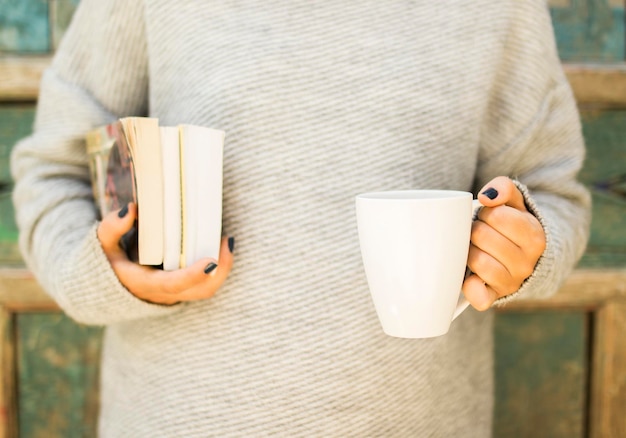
463,304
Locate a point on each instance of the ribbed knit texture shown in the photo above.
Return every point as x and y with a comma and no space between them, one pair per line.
320,101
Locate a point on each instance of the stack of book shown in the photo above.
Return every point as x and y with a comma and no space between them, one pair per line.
173,174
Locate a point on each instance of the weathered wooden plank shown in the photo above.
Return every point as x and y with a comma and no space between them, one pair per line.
604,172
9,251
589,30
24,26
58,364
8,392
541,374
584,289
598,85
608,389
604,133
15,122
20,292
603,85
20,77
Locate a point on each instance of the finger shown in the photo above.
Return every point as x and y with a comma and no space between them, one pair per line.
479,295
114,225
216,278
156,285
226,257
176,282
198,281
521,228
491,271
502,191
498,246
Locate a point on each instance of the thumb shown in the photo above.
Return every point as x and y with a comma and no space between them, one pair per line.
115,224
502,191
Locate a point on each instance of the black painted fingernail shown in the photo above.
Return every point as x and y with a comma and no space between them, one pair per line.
231,244
210,268
491,193
123,212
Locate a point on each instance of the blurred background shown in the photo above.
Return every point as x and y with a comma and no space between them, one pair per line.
560,364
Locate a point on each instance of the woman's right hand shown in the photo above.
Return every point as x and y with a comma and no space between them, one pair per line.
196,282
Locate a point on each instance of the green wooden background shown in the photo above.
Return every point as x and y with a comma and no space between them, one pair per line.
542,357
15,122
57,379
541,374
589,30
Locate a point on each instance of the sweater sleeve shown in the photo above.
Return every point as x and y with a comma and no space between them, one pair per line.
98,74
532,133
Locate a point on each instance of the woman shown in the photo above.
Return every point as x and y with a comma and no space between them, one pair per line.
320,101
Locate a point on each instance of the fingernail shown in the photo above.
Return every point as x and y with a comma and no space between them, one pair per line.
123,212
491,193
231,244
210,268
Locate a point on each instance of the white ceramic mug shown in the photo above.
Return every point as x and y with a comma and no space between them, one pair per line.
414,245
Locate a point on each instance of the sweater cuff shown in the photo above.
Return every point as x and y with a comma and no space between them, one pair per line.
546,261
89,291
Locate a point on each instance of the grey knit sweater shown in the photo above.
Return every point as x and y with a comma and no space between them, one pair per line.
320,101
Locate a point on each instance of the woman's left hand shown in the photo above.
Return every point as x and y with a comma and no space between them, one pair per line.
506,243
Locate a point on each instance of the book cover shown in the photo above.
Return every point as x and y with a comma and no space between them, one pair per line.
120,186
99,145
